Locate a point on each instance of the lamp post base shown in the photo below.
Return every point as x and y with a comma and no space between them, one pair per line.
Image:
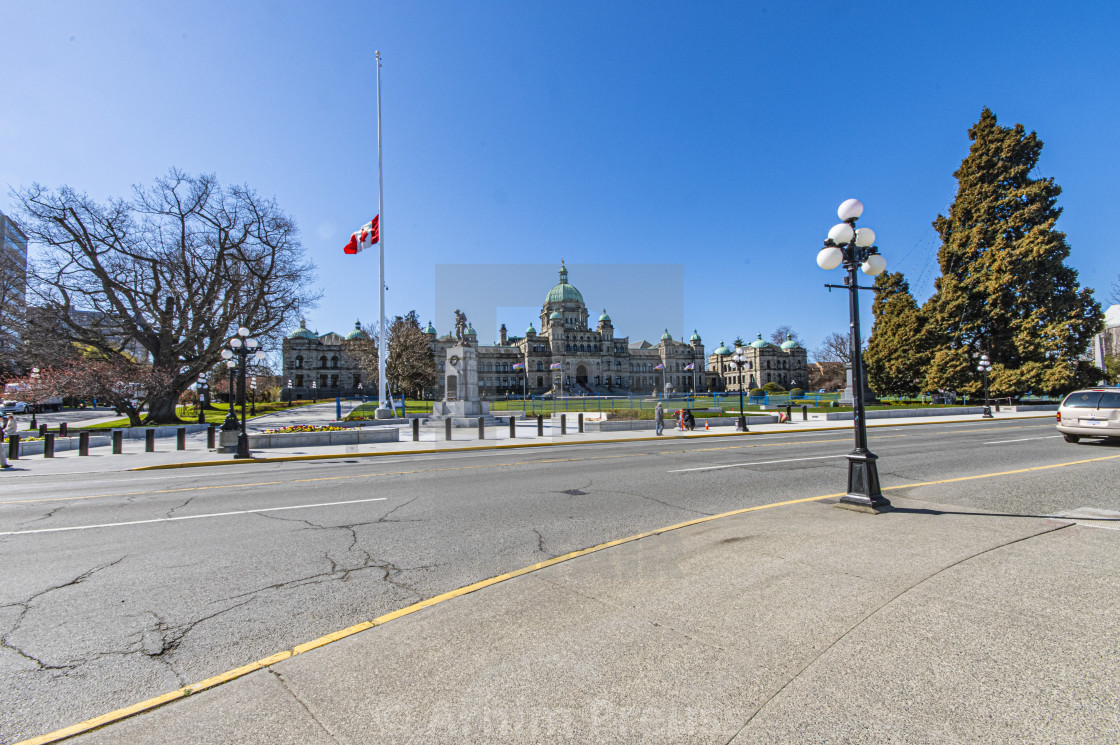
230,423
863,485
987,413
382,412
741,424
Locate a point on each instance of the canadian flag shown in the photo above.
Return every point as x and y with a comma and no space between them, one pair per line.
364,237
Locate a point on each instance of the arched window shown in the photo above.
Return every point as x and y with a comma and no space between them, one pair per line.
299,361
334,362
323,362
540,367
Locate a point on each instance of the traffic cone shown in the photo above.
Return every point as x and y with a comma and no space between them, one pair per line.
706,424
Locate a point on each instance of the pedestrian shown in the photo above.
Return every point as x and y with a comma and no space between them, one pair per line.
11,427
689,420
659,418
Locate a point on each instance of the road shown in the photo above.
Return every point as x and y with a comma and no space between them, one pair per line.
123,586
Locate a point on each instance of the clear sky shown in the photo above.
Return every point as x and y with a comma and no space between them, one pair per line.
705,145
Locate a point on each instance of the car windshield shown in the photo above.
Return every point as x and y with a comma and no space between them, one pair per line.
1082,400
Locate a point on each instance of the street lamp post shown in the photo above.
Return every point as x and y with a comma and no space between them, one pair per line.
34,406
984,366
314,392
854,248
253,400
201,400
739,360
229,424
241,345
289,391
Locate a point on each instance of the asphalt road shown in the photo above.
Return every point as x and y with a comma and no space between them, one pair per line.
138,583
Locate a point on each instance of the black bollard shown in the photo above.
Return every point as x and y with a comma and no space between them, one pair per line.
181,438
563,424
789,413
83,443
42,430
118,440
13,447
481,428
416,430
512,428
804,413
48,445
581,423
447,429
149,441
540,425
62,429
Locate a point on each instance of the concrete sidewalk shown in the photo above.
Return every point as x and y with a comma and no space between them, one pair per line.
196,454
794,623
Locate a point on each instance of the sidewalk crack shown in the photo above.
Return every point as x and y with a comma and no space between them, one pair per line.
304,706
876,610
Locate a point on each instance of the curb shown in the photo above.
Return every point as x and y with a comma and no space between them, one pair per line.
469,448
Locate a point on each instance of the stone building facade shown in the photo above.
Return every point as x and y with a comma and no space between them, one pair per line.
785,364
568,355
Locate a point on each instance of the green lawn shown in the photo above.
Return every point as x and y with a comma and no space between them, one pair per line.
216,415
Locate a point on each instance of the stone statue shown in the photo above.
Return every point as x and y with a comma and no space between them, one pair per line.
460,324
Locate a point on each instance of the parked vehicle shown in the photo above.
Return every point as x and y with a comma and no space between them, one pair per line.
12,393
13,407
1091,412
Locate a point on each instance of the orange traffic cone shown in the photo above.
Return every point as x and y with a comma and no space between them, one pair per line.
706,424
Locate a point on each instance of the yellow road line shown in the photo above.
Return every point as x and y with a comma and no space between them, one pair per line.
153,703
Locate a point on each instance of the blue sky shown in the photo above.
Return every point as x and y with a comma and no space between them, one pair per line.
706,145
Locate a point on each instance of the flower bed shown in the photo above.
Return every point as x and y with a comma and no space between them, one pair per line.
296,428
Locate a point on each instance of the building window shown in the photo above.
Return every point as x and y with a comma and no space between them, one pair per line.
299,361
357,379
323,361
299,381
334,381
334,362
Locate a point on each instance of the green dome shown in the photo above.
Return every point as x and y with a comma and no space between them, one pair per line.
666,336
604,317
789,343
722,350
431,329
357,333
302,332
759,343
470,330
530,330
563,291
555,315
695,336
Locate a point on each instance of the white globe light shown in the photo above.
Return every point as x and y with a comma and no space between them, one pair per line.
235,342
242,331
865,237
251,343
260,354
829,258
231,364
874,265
851,209
226,354
841,233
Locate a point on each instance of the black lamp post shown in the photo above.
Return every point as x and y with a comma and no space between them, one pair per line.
856,248
241,346
202,400
34,375
314,391
253,399
229,424
289,391
739,360
984,366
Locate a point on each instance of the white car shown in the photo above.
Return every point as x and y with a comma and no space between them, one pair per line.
13,407
1092,412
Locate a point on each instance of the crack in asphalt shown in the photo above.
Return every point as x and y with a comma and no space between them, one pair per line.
25,608
171,511
298,700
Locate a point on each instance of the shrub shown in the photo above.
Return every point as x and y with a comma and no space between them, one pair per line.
757,392
796,393
773,388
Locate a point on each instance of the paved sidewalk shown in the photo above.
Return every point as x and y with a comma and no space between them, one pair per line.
101,459
799,623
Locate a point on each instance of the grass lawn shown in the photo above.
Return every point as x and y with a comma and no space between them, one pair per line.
216,415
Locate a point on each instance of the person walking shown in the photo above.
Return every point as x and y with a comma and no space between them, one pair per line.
659,418
11,427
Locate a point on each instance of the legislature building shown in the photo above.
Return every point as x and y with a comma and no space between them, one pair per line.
568,355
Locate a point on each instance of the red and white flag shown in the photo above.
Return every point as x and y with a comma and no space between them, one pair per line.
364,237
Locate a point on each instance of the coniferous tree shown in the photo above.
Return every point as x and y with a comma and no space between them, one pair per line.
896,355
1004,288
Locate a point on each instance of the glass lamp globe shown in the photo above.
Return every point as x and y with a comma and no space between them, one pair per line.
251,343
874,265
260,355
850,209
231,364
235,342
865,237
829,258
242,331
226,354
841,233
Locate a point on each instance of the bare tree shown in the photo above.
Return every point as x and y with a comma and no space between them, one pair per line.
783,332
835,348
168,275
411,367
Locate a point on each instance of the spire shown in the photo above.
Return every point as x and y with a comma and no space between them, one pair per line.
563,273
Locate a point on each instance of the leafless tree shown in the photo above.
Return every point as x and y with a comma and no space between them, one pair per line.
167,275
835,348
783,332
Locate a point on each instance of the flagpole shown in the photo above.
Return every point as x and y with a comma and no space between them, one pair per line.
382,411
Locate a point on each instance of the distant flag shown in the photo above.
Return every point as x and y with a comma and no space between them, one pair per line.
556,366
659,367
365,236
518,366
690,366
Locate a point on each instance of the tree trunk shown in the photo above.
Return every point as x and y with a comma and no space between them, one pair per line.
161,410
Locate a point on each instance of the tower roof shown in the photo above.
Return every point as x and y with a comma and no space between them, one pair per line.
302,332
357,333
563,291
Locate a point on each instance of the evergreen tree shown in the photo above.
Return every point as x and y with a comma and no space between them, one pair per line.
411,366
1004,288
896,355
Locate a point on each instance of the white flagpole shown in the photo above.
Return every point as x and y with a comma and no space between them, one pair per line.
382,389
